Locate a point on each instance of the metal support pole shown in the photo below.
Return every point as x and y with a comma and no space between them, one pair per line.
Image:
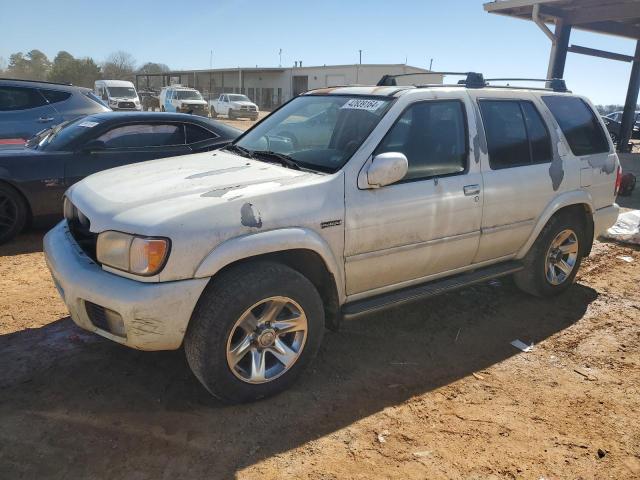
629,114
558,57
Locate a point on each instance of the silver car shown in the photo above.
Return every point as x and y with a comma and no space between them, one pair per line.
26,107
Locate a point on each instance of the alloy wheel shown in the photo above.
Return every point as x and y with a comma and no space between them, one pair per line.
561,257
267,340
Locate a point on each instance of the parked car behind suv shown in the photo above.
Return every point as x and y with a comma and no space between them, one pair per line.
33,179
246,257
234,105
26,107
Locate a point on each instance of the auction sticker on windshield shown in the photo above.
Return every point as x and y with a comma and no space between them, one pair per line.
363,104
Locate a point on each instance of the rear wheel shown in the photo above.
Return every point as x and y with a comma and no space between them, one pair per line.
231,115
214,114
554,259
254,330
13,213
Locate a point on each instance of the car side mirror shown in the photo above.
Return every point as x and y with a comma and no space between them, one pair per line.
387,168
94,146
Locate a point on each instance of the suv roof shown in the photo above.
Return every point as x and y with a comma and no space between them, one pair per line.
21,80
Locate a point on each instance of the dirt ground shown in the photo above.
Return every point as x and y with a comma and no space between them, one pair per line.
430,390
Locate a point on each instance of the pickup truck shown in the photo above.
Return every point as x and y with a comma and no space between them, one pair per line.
234,106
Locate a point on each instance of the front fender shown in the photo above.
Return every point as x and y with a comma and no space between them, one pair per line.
575,197
245,246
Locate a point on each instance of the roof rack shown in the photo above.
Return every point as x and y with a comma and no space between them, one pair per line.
477,80
555,84
67,84
472,79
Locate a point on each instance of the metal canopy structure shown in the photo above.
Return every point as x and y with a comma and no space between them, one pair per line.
611,17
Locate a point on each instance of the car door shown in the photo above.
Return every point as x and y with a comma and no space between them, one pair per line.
24,112
429,222
519,181
126,144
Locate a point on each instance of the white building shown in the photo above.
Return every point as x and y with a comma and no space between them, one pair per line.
270,87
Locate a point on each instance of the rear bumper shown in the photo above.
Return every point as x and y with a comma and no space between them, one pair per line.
604,218
155,315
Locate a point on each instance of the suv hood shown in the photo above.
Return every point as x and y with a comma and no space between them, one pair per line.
244,102
141,197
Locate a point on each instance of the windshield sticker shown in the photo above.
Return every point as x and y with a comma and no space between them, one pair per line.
88,124
363,104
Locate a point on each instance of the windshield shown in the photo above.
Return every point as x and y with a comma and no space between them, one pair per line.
57,138
188,95
239,98
318,132
122,92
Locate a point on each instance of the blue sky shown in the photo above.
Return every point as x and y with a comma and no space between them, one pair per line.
457,34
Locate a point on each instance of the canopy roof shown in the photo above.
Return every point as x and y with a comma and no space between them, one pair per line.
613,17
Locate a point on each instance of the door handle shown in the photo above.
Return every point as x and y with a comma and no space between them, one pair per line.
45,119
471,190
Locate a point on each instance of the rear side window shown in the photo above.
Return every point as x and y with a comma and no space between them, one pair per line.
143,135
20,98
55,96
516,134
432,135
198,134
579,125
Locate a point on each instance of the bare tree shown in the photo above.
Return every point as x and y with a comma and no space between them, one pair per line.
119,65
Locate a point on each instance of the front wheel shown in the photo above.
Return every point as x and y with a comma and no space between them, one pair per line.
554,259
254,330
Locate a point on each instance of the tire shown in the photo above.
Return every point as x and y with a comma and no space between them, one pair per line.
231,115
14,213
544,275
214,331
162,108
214,114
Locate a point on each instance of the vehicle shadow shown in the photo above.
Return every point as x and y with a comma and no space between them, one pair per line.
93,408
27,242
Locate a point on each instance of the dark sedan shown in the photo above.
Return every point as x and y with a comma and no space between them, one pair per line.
33,179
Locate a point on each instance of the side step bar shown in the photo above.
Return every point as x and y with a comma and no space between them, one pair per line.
429,289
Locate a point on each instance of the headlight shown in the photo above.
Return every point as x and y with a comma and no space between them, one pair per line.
144,256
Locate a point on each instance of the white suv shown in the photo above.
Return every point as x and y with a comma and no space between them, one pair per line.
245,255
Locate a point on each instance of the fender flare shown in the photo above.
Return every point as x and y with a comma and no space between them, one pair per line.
279,240
575,197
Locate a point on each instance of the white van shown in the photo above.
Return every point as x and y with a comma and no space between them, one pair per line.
118,94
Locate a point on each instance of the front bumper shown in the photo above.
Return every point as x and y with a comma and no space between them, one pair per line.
604,218
155,315
244,113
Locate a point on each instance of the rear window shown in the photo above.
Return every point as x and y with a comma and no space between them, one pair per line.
198,134
579,125
20,98
55,96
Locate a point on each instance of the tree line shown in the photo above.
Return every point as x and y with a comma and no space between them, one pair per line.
65,68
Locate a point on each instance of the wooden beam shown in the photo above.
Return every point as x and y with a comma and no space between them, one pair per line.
612,28
497,7
623,11
600,53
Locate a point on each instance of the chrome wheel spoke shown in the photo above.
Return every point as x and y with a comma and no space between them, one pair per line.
561,238
249,323
272,310
564,267
569,248
258,365
283,353
240,350
291,325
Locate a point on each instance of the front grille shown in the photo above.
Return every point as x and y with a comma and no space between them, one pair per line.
126,105
80,228
97,315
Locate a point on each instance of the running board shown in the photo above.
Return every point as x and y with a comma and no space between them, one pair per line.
429,289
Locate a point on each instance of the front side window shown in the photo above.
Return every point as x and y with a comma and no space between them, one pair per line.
20,98
318,131
433,137
143,135
516,134
579,124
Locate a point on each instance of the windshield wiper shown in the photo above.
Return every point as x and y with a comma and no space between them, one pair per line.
285,160
244,152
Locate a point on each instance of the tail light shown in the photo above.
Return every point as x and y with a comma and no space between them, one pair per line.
618,180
